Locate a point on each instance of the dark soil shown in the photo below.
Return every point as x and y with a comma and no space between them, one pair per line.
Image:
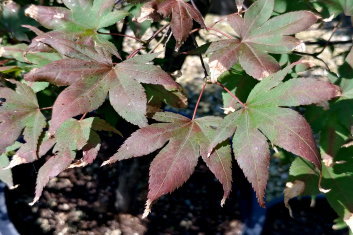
81,201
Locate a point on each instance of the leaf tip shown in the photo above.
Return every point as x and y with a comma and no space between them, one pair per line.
147,209
14,187
16,160
32,11
107,162
223,201
2,51
36,198
324,190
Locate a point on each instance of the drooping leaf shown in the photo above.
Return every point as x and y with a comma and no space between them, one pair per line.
91,80
19,110
258,35
186,140
82,137
181,13
264,115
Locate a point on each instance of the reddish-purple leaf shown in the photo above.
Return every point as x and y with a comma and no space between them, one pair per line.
82,97
258,36
67,71
182,15
187,140
49,17
53,167
90,81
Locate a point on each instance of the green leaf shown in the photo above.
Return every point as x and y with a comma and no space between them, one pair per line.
19,110
262,116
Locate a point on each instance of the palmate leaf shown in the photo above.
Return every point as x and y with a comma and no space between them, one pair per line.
19,111
186,140
258,35
264,116
80,16
80,22
90,80
181,13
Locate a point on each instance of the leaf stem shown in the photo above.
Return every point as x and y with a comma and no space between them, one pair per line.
135,52
199,99
83,116
47,108
231,94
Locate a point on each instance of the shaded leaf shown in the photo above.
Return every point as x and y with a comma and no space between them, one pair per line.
19,110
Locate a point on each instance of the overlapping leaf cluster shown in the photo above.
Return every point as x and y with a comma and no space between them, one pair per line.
90,71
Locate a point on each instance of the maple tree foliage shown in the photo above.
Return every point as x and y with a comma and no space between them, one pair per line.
256,36
77,62
187,140
181,13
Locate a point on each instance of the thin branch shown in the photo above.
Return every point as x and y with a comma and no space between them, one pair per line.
314,56
156,33
83,116
160,41
123,35
199,99
231,93
201,58
331,36
328,43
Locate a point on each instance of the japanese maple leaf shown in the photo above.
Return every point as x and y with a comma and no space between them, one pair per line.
19,110
265,116
91,75
83,136
187,140
82,18
258,35
181,13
